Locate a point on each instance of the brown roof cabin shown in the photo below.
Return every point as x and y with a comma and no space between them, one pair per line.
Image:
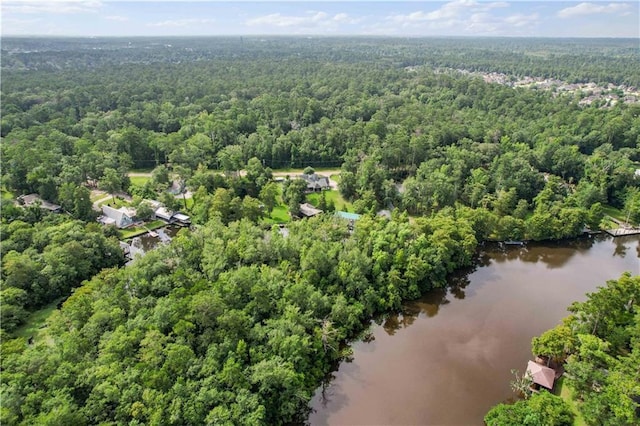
541,375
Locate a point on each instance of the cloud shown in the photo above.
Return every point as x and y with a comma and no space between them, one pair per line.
461,17
449,11
520,20
117,18
311,20
346,19
51,6
175,23
591,8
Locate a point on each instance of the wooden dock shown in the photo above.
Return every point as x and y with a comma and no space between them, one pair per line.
151,233
621,232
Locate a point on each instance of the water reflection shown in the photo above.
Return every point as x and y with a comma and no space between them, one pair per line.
446,357
553,254
148,242
142,244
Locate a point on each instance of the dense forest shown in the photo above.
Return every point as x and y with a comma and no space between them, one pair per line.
237,321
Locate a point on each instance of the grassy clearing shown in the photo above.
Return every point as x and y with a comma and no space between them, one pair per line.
332,195
565,392
119,202
185,201
6,195
139,180
335,178
280,214
134,231
613,212
616,213
36,323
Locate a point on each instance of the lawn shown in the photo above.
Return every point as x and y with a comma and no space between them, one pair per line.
280,214
134,231
188,201
36,323
615,213
332,195
117,204
139,180
566,393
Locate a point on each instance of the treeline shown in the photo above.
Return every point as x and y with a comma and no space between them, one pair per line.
572,60
227,325
599,345
456,138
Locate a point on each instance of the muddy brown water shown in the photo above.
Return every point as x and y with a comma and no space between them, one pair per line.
447,359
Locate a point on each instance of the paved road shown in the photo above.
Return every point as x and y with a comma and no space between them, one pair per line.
97,203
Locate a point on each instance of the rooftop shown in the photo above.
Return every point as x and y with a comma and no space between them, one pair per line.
348,216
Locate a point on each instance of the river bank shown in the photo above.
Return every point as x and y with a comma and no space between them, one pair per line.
455,347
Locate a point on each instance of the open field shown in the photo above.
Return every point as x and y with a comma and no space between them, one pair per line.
36,323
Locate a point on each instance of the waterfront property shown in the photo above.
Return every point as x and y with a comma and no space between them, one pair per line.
121,217
182,219
541,375
164,214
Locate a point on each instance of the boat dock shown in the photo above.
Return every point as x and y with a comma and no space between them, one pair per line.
621,232
623,229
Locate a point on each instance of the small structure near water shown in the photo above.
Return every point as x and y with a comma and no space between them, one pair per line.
541,375
161,212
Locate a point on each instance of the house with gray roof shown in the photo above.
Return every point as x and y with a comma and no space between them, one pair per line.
35,200
315,182
118,217
308,210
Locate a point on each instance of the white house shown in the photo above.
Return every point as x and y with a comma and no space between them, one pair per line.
118,217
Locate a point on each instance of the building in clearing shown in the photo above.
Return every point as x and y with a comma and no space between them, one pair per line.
164,214
182,219
315,182
348,216
307,210
118,217
34,199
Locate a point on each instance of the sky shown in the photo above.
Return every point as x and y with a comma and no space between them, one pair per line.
327,18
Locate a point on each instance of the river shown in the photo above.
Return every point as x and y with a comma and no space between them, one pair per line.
447,358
